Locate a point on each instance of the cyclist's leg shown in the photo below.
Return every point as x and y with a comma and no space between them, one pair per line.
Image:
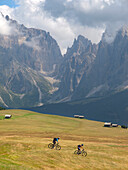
54,142
79,150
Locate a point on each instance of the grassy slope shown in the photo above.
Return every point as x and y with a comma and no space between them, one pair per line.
24,139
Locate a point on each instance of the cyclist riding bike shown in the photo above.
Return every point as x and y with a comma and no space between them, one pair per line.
55,140
80,150
80,147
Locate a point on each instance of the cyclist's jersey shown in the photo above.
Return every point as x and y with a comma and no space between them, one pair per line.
79,147
55,139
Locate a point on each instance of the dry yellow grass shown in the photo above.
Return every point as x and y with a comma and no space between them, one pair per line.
24,143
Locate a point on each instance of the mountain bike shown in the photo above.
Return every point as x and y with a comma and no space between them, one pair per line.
56,146
83,152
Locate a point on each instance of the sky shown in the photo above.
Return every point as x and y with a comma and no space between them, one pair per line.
66,19
9,3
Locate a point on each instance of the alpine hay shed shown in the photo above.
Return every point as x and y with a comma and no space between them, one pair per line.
107,124
8,116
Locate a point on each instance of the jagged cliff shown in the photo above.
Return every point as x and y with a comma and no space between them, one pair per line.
27,57
77,62
110,69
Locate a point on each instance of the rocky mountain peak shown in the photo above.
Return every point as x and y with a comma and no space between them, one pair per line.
109,36
81,40
123,31
1,14
28,56
79,45
7,17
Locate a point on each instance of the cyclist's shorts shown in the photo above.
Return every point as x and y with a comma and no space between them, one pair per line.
54,141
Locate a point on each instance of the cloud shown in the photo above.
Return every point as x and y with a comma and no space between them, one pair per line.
35,16
5,10
66,19
34,43
4,26
91,18
94,13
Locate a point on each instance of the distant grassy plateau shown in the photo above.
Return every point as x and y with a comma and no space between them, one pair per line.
25,137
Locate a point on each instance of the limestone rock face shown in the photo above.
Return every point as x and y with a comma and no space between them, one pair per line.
27,55
110,69
33,47
34,72
77,62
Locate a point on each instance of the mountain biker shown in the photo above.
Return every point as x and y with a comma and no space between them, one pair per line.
55,140
80,147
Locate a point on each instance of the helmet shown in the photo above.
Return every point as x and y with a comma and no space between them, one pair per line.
58,138
82,144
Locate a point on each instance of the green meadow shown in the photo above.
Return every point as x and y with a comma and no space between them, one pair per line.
25,137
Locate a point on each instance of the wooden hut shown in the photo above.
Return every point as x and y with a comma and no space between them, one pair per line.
81,117
7,116
76,116
114,125
107,124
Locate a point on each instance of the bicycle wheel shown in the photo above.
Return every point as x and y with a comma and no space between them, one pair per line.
50,145
84,153
58,147
76,152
